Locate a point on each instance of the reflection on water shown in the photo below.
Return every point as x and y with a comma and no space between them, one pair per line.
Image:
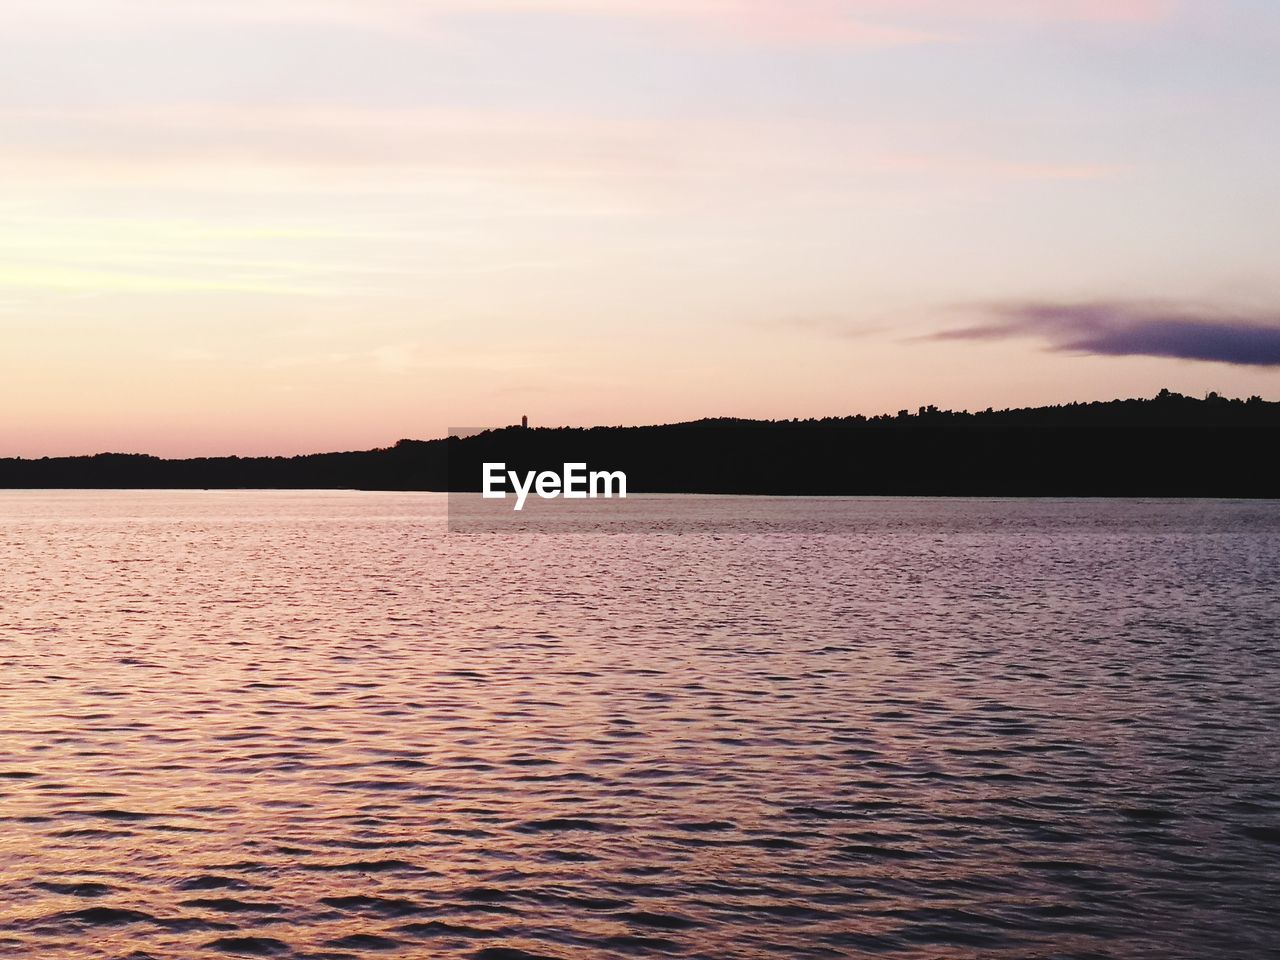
313,725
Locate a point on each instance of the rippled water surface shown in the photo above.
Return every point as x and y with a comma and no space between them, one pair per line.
315,725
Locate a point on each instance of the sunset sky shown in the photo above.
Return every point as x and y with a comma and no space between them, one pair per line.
292,225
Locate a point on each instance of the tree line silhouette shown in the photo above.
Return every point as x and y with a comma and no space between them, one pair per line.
1169,445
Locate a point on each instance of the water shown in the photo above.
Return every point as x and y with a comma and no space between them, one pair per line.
313,725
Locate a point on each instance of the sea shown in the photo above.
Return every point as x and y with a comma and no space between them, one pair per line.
321,725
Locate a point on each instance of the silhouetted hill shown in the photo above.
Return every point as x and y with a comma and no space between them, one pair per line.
1170,445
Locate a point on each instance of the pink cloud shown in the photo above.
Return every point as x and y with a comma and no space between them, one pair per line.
758,21
1083,11
786,22
874,22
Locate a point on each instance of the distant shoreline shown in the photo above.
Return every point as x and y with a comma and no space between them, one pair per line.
985,498
1167,447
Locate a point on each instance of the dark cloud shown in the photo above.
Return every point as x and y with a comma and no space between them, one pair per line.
1134,329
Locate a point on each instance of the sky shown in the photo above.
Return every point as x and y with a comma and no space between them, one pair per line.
287,226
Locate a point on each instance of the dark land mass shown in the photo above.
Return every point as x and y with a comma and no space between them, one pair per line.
1168,446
